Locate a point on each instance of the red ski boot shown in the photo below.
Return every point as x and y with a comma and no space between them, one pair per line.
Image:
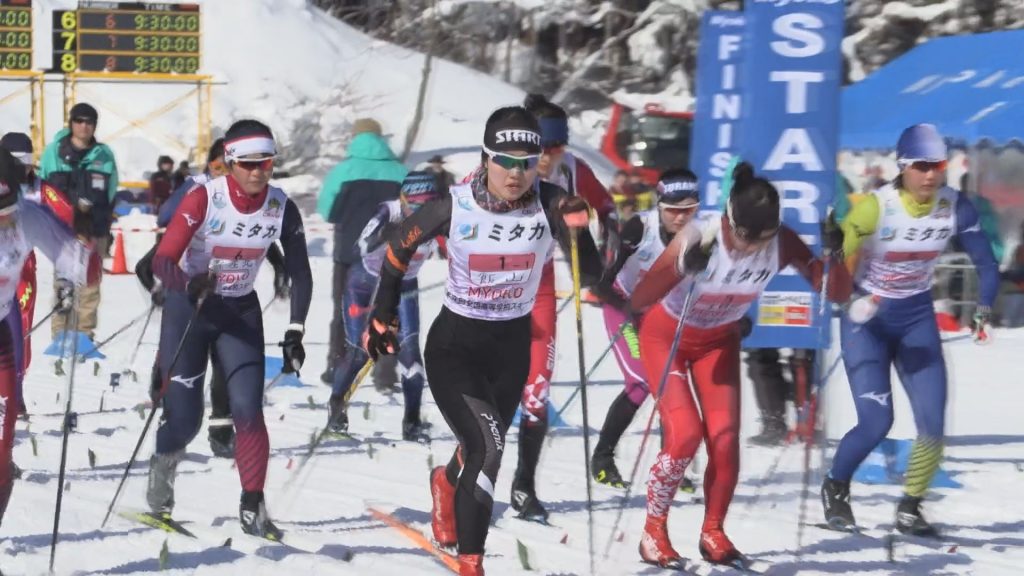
716,548
655,547
471,565
442,517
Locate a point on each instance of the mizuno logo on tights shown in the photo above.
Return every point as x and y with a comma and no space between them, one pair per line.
188,382
881,397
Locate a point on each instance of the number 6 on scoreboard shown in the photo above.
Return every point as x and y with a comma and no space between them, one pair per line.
69,20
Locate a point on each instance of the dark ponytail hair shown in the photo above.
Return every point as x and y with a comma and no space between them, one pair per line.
754,203
541,107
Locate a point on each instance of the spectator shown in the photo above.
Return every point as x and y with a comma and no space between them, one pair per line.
184,172
620,185
436,166
369,175
87,173
161,182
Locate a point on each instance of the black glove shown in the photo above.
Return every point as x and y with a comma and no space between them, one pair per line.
697,257
199,286
607,293
65,295
292,350
832,235
381,336
281,284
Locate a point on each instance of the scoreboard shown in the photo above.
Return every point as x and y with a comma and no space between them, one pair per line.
15,34
127,37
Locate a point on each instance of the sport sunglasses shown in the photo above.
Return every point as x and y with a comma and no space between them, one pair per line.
264,164
509,162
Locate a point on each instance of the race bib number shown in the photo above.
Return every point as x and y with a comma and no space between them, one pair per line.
717,309
235,267
500,269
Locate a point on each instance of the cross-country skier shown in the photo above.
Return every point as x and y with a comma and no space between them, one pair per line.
220,431
560,167
643,238
707,279
418,188
896,235
26,225
220,235
501,228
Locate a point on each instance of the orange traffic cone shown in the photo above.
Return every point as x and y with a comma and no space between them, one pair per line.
119,265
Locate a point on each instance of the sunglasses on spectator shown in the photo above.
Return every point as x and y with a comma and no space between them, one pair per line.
676,210
82,120
264,164
925,166
509,162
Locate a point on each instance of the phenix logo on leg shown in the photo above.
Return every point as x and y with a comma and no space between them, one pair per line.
492,423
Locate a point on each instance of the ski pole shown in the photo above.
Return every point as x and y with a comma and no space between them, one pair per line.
119,331
73,321
650,420
577,298
53,311
594,368
138,344
152,412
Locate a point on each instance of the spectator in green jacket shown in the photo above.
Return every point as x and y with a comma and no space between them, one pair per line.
87,173
370,174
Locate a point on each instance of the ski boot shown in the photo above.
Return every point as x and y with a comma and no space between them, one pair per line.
413,430
910,521
337,417
471,565
603,467
252,514
655,547
525,502
716,548
222,440
773,433
835,499
442,512
686,485
160,490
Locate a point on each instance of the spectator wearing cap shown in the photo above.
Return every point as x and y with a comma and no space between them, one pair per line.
161,182
436,166
369,175
87,173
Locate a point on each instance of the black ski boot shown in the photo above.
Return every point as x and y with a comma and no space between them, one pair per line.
252,513
413,430
222,440
773,432
910,521
337,416
603,467
835,498
525,502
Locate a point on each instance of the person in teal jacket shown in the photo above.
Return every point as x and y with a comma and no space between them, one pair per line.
369,175
87,173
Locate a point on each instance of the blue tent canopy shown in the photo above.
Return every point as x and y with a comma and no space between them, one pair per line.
971,87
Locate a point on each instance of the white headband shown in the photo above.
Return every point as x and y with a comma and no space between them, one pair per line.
247,145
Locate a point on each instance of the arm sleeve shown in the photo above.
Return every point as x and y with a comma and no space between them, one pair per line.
58,203
144,270
71,258
591,189
978,247
183,225
112,182
860,223
169,206
429,221
374,234
793,252
296,263
591,265
276,259
664,273
632,235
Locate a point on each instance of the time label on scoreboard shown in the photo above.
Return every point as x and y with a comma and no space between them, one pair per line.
128,37
15,34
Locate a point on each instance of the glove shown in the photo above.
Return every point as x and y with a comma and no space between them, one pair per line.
980,325
697,257
157,296
381,336
745,326
292,350
574,211
863,308
199,286
65,295
281,284
831,235
609,295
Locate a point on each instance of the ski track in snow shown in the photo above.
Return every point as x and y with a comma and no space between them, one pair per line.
327,504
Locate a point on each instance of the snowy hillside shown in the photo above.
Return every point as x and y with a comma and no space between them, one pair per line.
307,75
325,508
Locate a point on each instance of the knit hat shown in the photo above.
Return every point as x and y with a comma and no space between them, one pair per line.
514,133
678,187
366,125
921,142
419,187
83,110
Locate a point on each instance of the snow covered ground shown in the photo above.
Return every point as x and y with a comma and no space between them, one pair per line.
326,506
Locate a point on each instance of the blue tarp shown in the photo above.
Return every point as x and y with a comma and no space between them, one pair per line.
971,87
